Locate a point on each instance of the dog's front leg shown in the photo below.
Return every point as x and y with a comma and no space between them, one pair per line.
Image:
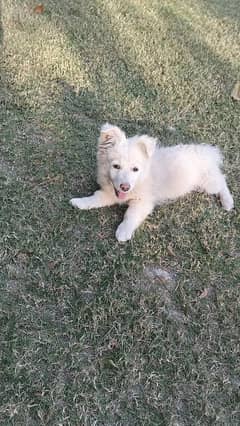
134,216
98,199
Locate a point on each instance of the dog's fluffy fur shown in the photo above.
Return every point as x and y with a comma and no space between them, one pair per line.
138,172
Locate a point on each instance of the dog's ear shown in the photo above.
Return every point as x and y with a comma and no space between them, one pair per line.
110,135
147,144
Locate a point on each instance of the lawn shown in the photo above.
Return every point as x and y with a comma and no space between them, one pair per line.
94,332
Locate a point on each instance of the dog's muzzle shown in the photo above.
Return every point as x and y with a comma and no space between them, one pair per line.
121,195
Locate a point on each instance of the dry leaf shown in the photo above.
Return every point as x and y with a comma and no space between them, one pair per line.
170,251
51,265
39,9
236,92
113,344
205,293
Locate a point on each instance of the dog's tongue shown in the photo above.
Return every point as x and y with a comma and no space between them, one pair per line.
121,195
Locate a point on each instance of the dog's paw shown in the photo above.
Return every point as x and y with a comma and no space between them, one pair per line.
227,202
123,233
80,203
228,205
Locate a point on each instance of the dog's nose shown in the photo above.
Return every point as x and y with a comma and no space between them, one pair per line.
125,187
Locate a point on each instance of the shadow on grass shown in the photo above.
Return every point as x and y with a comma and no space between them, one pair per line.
220,9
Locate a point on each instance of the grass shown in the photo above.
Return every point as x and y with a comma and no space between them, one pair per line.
93,332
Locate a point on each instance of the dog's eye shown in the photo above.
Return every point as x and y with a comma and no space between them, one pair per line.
135,169
116,166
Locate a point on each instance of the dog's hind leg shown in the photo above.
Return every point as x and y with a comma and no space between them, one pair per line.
226,198
217,185
100,198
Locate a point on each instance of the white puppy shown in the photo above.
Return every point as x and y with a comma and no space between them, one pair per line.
138,172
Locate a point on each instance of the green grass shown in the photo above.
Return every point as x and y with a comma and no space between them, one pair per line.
90,334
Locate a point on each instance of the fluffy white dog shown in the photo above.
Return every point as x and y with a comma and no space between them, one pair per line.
138,172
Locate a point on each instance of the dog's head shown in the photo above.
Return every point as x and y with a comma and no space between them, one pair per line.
126,159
